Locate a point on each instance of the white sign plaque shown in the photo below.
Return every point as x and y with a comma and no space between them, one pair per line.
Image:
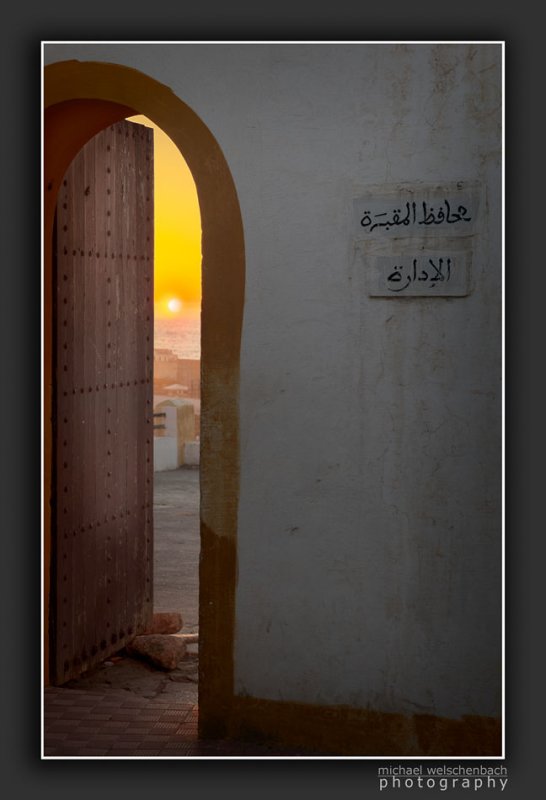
439,274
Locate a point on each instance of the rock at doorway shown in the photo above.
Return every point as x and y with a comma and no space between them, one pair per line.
166,622
163,651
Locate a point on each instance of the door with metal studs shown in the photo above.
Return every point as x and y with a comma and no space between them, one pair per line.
102,565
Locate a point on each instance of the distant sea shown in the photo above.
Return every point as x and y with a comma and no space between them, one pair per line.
182,336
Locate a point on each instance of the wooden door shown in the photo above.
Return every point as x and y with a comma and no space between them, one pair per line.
102,558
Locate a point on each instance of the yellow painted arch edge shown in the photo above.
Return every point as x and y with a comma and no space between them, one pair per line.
80,98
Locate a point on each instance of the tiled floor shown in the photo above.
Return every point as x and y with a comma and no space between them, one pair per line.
79,723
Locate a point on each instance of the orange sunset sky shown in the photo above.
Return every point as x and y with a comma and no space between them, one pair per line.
177,248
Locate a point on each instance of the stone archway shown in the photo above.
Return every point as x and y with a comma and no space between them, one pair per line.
81,98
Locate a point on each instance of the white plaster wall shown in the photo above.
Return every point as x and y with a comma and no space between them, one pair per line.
169,420
165,453
369,541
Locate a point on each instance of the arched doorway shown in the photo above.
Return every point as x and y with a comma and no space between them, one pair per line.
79,100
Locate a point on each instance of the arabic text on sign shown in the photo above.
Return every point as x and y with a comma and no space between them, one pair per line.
415,214
438,269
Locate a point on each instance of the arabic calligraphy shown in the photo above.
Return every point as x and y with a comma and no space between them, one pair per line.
416,214
423,275
434,273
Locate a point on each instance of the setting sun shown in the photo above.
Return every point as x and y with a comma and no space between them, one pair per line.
174,305
177,234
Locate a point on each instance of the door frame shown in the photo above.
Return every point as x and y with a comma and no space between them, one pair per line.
81,98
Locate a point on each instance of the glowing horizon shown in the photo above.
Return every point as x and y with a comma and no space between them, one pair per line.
177,230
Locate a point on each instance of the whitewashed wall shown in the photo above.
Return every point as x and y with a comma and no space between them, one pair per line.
165,453
369,534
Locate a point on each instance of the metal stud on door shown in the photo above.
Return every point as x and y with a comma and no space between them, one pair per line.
102,565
